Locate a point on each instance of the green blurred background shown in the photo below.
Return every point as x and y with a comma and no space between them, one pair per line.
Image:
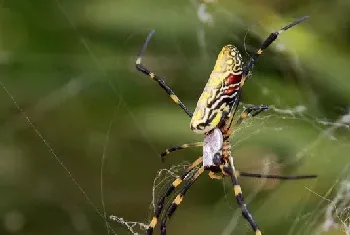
69,65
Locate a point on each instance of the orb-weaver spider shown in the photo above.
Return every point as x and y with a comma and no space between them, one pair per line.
213,117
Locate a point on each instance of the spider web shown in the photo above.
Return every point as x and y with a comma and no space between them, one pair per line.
332,212
336,214
335,210
162,180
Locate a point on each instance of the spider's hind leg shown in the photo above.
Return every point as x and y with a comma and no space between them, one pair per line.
158,79
266,43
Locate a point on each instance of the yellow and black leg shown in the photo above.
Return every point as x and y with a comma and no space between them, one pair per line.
177,201
230,170
176,183
154,77
279,177
179,147
215,176
268,41
219,176
249,111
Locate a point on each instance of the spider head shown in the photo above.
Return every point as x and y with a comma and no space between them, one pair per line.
212,148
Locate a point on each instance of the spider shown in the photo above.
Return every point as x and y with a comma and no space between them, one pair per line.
213,117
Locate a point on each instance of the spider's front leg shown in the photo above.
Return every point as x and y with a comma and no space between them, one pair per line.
171,188
212,152
158,79
230,170
172,208
223,162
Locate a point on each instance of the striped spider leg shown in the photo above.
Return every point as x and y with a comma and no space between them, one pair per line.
158,79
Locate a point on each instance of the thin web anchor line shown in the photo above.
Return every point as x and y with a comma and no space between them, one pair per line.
117,93
54,155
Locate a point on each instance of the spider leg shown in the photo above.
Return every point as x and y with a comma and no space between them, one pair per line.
214,175
268,41
154,77
230,170
250,111
179,147
280,177
178,200
170,189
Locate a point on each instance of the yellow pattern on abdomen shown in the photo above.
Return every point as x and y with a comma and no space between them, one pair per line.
211,105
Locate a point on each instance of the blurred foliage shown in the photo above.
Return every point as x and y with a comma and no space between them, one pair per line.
70,66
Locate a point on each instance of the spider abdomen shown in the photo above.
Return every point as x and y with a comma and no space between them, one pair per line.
220,91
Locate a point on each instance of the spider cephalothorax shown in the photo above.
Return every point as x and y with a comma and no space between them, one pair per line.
213,117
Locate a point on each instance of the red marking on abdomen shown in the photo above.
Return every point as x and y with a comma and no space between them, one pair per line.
230,91
232,79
